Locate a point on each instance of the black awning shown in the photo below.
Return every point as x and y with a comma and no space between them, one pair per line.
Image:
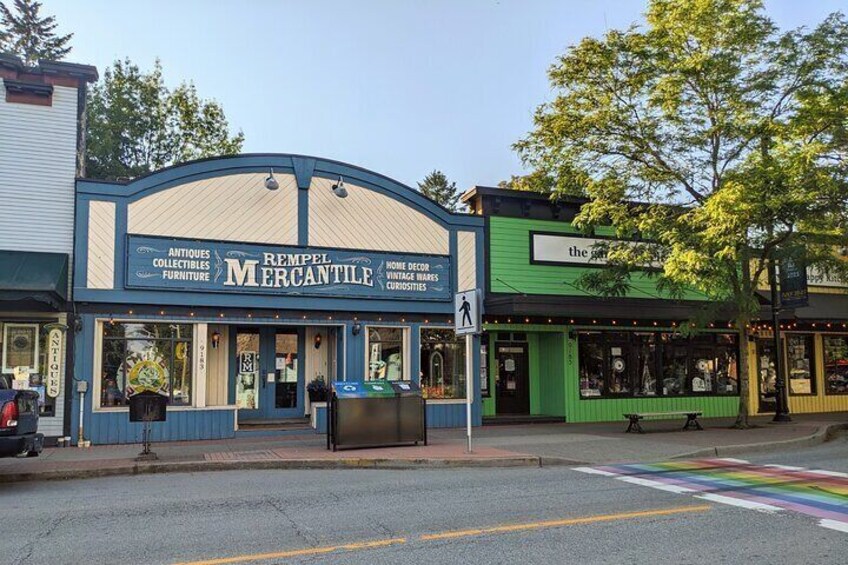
31,280
821,307
589,307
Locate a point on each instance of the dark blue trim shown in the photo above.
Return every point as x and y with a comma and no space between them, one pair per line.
325,168
120,244
303,169
303,218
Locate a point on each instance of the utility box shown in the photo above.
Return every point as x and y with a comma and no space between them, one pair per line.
375,414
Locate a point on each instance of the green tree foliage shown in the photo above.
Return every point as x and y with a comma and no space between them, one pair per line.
436,186
730,132
23,32
136,125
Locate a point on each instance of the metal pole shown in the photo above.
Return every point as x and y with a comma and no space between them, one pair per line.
469,384
781,402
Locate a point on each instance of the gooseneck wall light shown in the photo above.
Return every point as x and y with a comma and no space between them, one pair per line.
339,189
270,182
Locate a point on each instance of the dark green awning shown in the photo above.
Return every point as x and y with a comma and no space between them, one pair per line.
27,277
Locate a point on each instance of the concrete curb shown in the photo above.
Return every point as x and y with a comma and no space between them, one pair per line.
276,464
822,434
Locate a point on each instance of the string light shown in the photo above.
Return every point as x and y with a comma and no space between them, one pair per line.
221,315
131,312
161,312
277,316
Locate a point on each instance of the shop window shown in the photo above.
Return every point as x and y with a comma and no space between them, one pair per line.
766,376
385,353
25,349
835,364
800,363
645,364
149,356
591,352
657,364
442,364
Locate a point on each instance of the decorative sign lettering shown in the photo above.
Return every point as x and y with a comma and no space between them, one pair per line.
53,376
815,277
567,250
176,264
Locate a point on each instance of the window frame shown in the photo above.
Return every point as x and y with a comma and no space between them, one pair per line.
690,344
405,360
5,356
96,388
458,339
824,363
784,344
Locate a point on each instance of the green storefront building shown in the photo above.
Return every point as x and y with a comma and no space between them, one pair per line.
554,350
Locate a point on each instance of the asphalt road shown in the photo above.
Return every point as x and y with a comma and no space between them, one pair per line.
539,515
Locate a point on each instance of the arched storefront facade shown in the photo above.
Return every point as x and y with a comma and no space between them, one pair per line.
238,292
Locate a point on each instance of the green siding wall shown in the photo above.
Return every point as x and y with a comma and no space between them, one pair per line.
597,410
509,263
552,374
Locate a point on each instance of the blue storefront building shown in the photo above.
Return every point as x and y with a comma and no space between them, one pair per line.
237,281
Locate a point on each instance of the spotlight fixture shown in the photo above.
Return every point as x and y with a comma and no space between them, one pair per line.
270,182
356,328
339,189
317,341
216,339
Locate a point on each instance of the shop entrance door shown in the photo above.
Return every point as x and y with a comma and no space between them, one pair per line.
268,373
512,386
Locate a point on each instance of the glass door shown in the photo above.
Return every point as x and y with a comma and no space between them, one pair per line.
286,370
248,376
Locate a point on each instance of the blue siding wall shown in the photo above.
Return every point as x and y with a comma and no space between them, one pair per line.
115,427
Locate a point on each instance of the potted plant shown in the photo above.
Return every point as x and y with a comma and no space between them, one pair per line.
317,389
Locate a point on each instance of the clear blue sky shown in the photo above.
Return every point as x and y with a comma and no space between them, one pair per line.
399,87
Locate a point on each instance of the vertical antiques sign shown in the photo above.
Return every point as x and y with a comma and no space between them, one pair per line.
53,373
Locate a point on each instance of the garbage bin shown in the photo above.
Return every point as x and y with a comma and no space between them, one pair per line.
375,414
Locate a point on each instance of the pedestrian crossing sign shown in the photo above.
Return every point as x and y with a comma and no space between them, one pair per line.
466,312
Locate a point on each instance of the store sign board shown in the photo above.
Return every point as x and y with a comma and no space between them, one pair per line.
209,266
567,250
53,376
816,277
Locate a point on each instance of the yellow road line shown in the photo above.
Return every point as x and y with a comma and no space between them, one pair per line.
298,552
564,522
454,534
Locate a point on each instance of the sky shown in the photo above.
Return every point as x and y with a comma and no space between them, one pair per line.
398,87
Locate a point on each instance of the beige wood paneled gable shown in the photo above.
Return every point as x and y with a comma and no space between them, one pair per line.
227,208
466,250
100,272
367,219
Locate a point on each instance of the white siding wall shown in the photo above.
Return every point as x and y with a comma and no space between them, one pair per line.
38,147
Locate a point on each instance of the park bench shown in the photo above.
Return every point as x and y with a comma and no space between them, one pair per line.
635,417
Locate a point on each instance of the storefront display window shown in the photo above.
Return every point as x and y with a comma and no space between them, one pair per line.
766,375
591,354
627,364
836,364
24,350
385,353
146,355
799,363
442,364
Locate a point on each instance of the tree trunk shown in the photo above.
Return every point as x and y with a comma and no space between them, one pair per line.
744,377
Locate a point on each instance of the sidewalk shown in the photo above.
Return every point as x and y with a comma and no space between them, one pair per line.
494,446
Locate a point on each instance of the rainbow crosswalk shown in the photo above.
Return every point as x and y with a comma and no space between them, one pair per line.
768,488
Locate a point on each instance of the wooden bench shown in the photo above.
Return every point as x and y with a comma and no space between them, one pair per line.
691,419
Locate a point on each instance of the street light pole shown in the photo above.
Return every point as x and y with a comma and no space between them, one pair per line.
781,409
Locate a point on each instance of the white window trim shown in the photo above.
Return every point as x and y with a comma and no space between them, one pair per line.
462,400
97,365
6,326
405,330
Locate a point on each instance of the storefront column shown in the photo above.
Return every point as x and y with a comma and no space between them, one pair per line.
200,362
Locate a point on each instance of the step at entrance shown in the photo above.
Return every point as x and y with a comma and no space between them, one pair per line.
514,419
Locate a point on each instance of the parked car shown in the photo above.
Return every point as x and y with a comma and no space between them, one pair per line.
19,423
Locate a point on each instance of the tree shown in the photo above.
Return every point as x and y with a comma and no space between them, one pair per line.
136,125
711,134
26,34
436,187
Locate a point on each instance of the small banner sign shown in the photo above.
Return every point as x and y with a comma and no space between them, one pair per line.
793,283
180,264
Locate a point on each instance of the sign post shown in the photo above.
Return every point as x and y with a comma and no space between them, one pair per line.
466,318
